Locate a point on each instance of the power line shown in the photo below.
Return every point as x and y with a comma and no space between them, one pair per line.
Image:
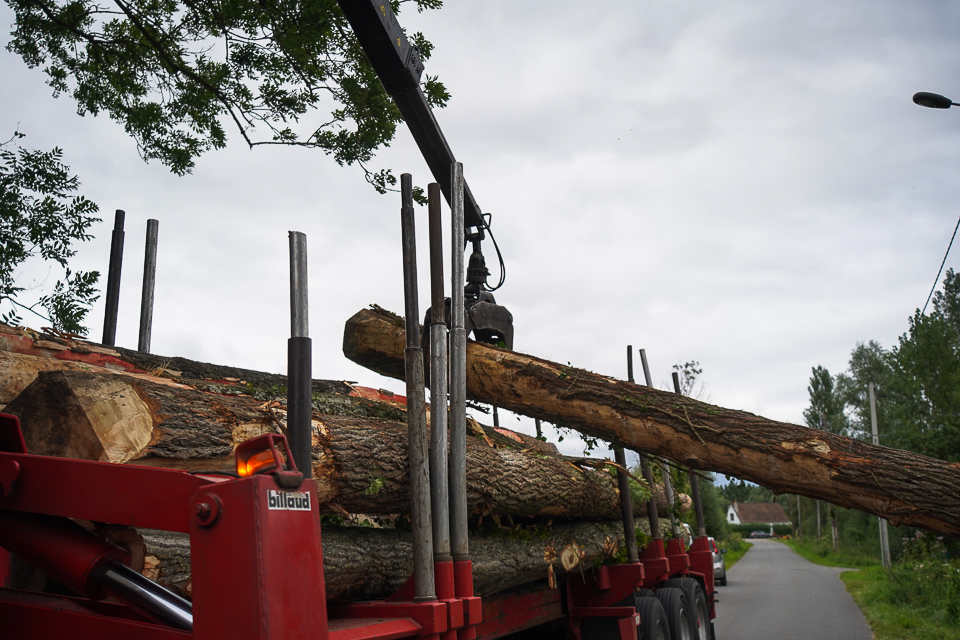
941,267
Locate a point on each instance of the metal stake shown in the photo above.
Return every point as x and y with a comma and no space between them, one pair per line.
664,469
623,486
458,380
149,282
299,360
424,584
439,479
112,302
692,476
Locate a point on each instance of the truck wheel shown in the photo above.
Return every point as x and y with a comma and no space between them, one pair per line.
653,619
678,613
699,612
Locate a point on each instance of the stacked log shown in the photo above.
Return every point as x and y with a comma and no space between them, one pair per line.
359,464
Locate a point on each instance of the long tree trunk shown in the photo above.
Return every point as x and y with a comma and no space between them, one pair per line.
904,487
362,563
359,463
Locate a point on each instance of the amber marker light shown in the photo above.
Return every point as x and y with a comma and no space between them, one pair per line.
257,463
262,454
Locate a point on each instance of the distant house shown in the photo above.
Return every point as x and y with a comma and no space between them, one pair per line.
760,513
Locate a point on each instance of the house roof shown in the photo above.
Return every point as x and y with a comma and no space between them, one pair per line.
760,512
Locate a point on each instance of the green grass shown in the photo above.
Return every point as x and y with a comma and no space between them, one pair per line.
917,599
904,609
735,549
821,552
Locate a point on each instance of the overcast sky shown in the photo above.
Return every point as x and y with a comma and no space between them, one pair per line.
743,184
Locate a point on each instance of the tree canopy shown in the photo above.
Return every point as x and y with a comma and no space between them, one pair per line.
40,217
178,73
917,384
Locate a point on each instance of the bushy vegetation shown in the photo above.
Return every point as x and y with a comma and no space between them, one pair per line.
735,547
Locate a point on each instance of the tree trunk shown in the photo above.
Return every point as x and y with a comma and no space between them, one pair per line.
904,487
360,463
362,563
24,353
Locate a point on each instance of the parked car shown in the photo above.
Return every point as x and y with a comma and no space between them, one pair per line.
719,564
760,534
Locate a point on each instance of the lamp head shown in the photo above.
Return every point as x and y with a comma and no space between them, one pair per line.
932,100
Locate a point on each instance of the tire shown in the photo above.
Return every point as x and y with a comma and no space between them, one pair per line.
697,600
723,580
653,619
678,613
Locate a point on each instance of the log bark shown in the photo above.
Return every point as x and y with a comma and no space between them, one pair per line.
360,463
25,352
904,487
501,561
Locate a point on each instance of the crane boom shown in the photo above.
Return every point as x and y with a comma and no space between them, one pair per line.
399,67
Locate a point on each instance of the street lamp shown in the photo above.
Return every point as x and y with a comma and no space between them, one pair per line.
933,100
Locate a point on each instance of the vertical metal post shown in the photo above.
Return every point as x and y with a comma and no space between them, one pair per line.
424,585
664,469
459,544
623,487
819,530
799,521
112,301
439,479
884,539
626,506
652,514
693,478
299,360
149,283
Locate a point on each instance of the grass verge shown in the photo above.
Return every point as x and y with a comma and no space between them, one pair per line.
822,553
735,549
916,599
896,610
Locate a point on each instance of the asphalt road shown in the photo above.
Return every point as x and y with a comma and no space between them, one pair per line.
774,594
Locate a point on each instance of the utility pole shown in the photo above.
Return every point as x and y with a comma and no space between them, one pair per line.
799,521
819,533
884,540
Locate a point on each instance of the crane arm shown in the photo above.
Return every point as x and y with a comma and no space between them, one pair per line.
399,67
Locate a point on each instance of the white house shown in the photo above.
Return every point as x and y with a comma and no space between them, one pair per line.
762,513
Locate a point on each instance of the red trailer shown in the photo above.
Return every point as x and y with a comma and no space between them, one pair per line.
257,563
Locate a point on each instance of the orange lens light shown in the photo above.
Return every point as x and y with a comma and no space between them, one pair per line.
257,463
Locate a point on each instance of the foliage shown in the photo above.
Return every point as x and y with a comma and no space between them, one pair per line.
40,217
822,552
918,597
177,74
689,375
736,548
745,492
826,410
714,513
917,384
893,619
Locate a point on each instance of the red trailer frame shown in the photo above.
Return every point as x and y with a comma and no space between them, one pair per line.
257,563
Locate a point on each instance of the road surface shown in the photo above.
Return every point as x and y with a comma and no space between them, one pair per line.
774,594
